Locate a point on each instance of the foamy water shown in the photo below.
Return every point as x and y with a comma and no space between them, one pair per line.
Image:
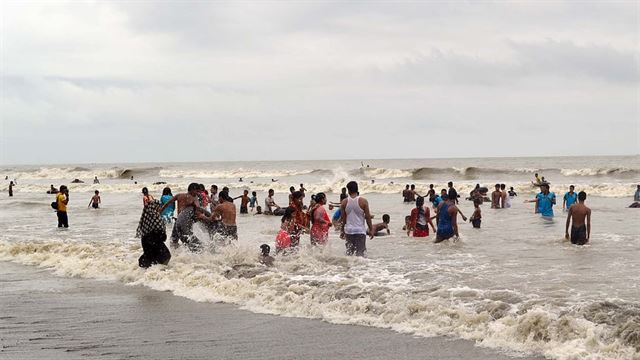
515,284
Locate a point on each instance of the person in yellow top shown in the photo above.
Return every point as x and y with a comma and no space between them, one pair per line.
62,199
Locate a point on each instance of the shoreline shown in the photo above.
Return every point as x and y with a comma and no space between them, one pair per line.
47,316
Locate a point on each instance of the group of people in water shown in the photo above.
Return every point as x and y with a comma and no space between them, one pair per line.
216,212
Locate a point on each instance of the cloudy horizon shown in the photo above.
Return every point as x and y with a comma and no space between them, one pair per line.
115,82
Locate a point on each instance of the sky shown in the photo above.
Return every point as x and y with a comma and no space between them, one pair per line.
156,81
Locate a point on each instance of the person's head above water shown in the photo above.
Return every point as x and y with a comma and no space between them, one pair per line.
266,249
167,191
270,192
413,186
224,197
407,187
544,188
571,188
254,193
386,218
582,196
145,191
288,214
497,186
292,189
443,192
503,186
450,184
97,192
430,186
192,189
352,187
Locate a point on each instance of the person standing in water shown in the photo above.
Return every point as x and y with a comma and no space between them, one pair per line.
636,196
146,197
505,200
569,198
453,193
320,221
447,214
544,201
167,214
354,213
95,180
581,229
496,197
420,218
476,217
62,200
10,188
95,200
187,207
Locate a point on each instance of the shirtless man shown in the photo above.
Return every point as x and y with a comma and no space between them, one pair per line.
187,208
269,204
244,209
447,213
453,193
431,193
405,194
580,232
496,197
225,212
95,200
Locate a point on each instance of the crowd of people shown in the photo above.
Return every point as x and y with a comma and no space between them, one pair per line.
352,218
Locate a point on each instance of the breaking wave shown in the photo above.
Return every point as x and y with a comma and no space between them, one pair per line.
341,290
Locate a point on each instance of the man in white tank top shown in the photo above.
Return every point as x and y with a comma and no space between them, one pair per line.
354,212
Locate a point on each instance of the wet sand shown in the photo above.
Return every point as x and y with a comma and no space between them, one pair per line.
49,317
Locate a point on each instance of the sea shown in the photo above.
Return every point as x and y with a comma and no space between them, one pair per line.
515,284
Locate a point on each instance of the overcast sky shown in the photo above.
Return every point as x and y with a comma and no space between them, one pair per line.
134,81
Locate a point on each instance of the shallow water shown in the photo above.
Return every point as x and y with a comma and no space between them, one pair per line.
515,284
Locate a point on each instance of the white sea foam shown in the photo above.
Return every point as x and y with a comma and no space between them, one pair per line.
316,284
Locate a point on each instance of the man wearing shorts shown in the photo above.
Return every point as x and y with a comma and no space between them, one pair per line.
354,212
580,229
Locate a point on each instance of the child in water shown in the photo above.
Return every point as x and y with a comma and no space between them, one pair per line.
384,225
167,214
265,258
476,217
253,201
289,235
95,200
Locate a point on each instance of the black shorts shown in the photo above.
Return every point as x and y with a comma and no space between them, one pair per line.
356,244
243,210
579,235
63,220
94,205
476,223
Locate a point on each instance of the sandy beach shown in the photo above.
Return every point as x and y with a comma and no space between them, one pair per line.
49,317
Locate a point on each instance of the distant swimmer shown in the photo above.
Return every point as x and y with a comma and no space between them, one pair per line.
274,180
569,198
160,183
580,232
95,200
476,217
77,181
512,193
95,180
152,233
380,228
636,196
447,214
146,197
544,201
240,180
302,189
265,257
10,188
496,197
420,218
373,181
52,190
537,180
354,215
62,200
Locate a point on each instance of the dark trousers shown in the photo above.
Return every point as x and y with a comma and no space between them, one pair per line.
63,220
356,244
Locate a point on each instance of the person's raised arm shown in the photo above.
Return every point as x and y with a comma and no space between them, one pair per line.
367,216
566,227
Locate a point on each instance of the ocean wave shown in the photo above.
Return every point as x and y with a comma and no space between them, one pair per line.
342,290
333,185
234,173
82,173
599,171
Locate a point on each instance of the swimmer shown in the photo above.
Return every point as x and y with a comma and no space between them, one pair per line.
95,200
258,210
265,258
496,197
580,232
384,225
512,193
95,180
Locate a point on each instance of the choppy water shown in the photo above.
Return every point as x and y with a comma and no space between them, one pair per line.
515,284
